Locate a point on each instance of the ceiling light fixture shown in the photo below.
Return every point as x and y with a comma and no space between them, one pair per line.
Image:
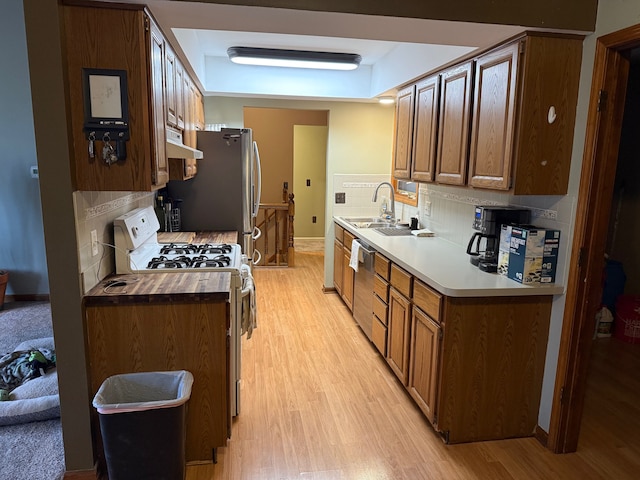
273,57
387,100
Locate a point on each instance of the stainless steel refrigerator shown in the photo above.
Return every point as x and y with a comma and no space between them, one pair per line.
225,193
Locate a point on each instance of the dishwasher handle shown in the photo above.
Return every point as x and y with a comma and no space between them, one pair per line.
366,248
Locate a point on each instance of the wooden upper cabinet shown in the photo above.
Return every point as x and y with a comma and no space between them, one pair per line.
524,113
159,162
404,133
453,128
425,129
170,86
494,118
179,95
117,40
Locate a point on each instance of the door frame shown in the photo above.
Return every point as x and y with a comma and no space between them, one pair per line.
584,288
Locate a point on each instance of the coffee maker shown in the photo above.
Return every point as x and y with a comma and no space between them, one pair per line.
487,222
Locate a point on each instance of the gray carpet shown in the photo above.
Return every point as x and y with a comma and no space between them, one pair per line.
30,451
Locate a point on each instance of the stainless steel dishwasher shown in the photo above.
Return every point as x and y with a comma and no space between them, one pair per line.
363,288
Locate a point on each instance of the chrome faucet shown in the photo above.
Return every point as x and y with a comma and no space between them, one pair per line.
393,201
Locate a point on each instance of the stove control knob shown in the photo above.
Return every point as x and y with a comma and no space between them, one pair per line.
134,231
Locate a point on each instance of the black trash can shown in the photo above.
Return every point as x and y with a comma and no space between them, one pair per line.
143,424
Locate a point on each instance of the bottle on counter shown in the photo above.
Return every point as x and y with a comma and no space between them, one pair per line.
159,209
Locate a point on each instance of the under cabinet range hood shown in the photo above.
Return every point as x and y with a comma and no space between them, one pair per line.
177,149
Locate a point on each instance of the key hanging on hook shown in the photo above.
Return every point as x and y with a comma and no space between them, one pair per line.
108,152
92,139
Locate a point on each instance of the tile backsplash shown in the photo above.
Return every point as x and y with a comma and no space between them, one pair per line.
96,211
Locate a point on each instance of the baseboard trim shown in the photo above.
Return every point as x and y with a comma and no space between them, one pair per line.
44,297
80,475
541,436
328,289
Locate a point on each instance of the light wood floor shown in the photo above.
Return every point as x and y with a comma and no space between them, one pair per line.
319,403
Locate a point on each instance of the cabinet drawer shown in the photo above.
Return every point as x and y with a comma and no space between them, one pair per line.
382,266
381,288
427,299
380,309
348,238
401,280
339,233
379,335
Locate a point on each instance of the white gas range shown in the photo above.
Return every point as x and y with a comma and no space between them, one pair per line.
138,252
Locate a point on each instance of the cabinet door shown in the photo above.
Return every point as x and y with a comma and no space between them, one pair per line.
423,362
160,165
425,129
494,105
453,128
170,85
398,332
180,95
347,279
337,266
404,133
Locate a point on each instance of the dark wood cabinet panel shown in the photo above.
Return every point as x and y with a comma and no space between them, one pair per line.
425,129
492,364
398,331
494,115
404,133
453,128
423,362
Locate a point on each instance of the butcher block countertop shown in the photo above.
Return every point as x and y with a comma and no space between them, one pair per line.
161,287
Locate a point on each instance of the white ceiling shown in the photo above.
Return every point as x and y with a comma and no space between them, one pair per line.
394,50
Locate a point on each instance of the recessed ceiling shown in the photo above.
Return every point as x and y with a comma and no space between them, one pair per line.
393,50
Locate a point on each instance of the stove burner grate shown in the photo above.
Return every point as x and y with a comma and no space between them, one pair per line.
217,261
178,249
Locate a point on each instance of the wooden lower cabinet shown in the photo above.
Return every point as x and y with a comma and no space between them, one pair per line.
423,362
348,275
147,337
491,367
474,366
398,331
337,266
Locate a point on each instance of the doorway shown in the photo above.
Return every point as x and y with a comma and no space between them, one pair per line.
612,66
310,185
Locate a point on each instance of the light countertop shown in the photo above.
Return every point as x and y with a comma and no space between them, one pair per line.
445,266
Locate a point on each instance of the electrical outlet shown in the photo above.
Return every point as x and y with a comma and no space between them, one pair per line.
94,243
340,197
427,209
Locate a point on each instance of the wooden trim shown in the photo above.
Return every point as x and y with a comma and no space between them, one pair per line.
541,436
584,287
329,290
403,198
81,475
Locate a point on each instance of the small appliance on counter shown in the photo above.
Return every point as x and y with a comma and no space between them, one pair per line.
487,222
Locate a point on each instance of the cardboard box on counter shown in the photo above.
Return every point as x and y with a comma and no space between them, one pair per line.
528,254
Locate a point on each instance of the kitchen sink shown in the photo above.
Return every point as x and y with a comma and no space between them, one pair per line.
368,222
393,231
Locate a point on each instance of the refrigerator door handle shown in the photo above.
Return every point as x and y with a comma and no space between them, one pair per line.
256,207
257,233
256,253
